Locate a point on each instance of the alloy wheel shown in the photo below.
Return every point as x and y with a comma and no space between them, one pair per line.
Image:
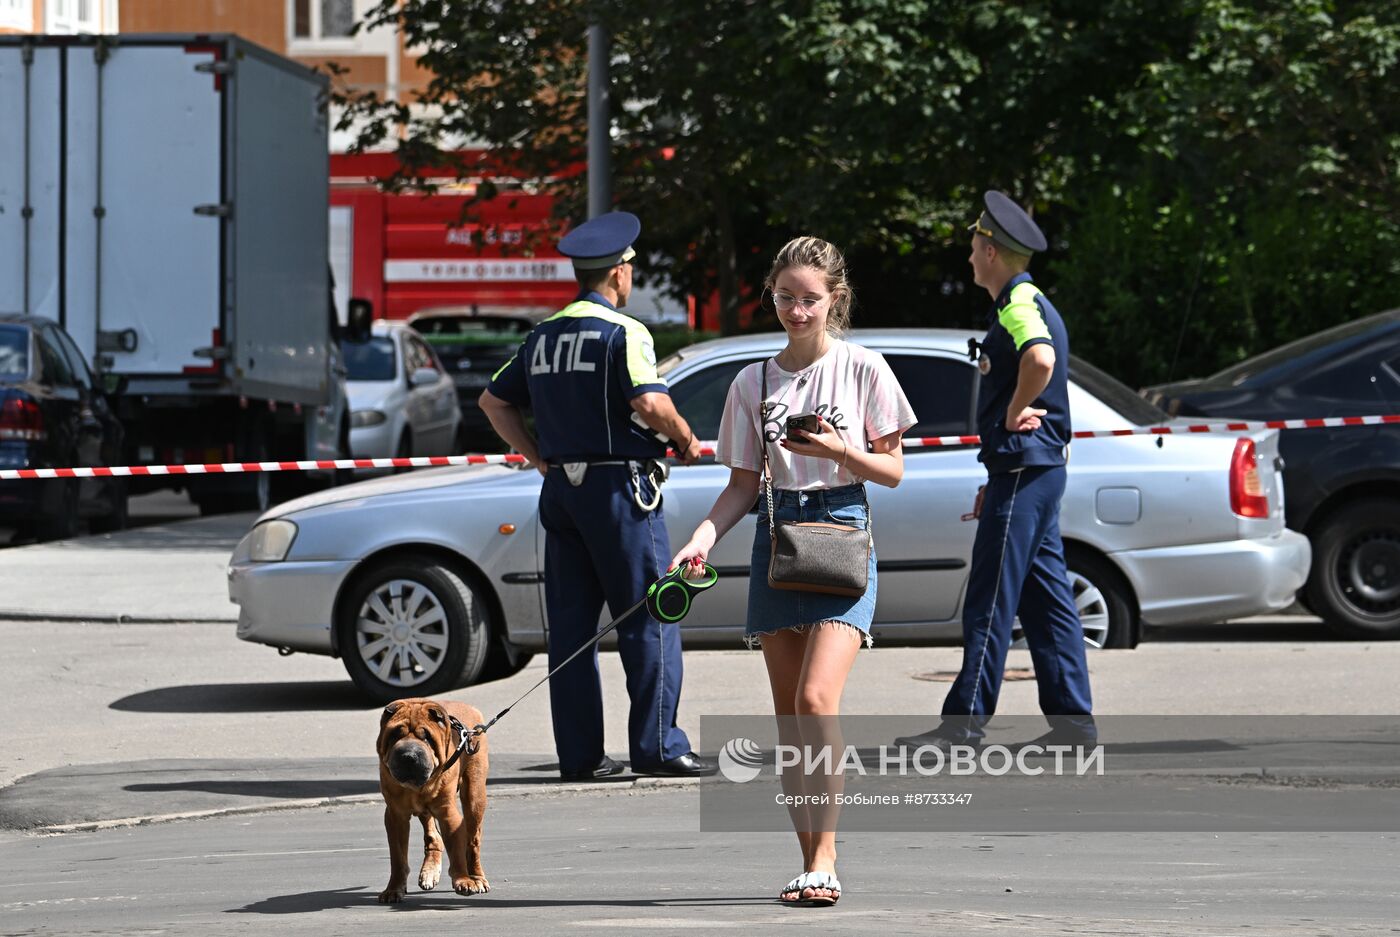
401,632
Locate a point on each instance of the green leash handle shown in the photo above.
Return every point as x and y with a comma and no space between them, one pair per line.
668,599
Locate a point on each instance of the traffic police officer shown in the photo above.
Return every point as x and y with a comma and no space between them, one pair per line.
1018,559
585,372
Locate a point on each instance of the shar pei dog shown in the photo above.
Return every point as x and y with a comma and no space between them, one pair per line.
430,769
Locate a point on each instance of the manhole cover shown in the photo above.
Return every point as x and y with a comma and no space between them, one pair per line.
948,676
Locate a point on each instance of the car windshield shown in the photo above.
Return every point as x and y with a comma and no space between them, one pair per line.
371,360
472,330
1237,374
1114,393
14,353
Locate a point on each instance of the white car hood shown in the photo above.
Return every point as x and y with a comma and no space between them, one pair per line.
369,395
418,480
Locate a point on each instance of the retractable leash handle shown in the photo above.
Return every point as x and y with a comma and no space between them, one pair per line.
668,600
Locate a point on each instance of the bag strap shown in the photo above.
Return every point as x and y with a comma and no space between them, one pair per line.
763,448
768,472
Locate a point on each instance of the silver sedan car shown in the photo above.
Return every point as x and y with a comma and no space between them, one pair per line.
433,580
402,401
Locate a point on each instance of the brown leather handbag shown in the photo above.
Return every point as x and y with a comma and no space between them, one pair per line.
813,556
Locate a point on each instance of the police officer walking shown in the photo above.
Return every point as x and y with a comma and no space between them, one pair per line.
585,372
1018,559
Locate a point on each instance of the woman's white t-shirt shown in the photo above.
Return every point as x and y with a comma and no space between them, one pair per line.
851,387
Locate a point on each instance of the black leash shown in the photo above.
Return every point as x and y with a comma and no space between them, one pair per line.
668,599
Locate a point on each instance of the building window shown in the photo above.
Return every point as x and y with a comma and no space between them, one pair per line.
314,20
17,14
72,16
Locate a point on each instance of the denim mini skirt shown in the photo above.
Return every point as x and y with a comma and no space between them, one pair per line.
772,609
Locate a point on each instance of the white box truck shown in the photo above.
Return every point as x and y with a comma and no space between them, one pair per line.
164,199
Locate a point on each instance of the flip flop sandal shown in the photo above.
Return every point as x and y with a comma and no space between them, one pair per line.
793,887
825,880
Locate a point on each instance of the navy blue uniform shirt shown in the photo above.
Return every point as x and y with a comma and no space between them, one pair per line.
1022,317
578,371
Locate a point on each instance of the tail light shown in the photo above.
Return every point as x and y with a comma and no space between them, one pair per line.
21,419
1247,498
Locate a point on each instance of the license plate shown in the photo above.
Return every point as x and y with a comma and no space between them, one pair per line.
472,380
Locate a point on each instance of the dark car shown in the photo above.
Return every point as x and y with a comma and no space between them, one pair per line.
1342,485
472,342
53,415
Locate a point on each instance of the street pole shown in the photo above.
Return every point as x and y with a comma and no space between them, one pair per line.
599,124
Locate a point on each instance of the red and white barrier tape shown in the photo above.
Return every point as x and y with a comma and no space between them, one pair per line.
233,468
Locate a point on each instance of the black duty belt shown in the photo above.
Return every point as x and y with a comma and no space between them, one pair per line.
601,460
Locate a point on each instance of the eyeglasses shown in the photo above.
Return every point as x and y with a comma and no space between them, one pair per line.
786,301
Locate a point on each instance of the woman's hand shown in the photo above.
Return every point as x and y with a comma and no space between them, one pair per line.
826,443
696,553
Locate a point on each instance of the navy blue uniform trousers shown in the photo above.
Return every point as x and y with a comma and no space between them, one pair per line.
1018,568
600,546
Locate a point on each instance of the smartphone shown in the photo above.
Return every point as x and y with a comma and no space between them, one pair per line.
807,422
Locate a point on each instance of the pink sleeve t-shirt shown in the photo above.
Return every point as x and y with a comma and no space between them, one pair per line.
851,387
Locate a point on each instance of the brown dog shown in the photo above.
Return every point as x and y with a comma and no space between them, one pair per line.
417,739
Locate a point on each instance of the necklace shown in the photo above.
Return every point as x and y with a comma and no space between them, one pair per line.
805,374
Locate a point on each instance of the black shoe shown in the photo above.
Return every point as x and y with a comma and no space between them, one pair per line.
605,768
935,738
1070,737
689,765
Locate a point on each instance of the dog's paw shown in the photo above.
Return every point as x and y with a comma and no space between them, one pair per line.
471,885
392,895
428,877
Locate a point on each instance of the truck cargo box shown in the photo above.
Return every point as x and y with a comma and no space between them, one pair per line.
164,198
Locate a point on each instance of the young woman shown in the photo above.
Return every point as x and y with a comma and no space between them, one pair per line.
809,639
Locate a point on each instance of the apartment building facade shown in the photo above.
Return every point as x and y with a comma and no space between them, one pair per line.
66,17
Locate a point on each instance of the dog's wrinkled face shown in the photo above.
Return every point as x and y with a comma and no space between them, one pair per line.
414,739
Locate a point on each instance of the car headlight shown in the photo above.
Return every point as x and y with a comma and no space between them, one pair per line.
269,541
367,418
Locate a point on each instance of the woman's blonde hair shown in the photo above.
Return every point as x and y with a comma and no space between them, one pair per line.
816,254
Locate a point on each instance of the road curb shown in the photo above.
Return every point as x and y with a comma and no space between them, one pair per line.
312,803
107,618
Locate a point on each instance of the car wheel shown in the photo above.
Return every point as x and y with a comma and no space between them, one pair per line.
413,627
404,450
343,476
61,522
1354,583
115,519
1104,600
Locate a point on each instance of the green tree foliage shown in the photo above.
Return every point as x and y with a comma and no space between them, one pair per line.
1215,176
1262,201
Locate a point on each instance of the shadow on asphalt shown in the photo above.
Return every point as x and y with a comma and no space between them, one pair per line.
292,790
318,696
446,900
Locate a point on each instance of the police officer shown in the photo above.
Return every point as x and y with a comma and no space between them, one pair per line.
1018,559
585,372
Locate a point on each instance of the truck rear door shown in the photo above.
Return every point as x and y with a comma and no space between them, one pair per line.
121,144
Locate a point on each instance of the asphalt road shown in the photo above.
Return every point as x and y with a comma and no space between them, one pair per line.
116,725
634,862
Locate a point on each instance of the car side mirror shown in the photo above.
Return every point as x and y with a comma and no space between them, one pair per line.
359,318
423,377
